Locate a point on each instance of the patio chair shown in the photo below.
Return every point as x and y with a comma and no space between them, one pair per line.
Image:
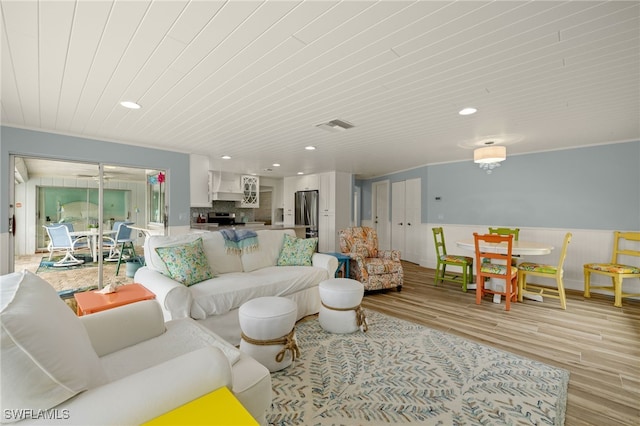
123,242
60,240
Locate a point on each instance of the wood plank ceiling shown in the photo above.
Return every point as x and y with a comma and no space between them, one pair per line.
252,79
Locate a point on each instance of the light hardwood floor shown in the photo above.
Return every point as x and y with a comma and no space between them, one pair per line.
598,343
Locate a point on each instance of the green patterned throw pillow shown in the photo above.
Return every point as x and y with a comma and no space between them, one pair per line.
186,263
297,251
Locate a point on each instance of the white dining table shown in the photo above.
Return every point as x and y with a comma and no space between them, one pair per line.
519,248
92,238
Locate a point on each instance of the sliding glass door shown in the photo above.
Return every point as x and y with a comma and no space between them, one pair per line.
88,199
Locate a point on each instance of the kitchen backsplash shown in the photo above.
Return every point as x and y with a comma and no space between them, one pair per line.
242,215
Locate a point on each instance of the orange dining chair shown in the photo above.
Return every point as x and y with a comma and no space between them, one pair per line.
545,271
465,263
616,270
499,266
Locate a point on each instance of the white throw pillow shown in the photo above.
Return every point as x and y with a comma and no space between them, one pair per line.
46,355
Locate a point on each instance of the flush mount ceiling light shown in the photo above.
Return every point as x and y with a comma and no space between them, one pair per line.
276,164
467,111
335,125
226,157
489,157
300,173
130,105
309,148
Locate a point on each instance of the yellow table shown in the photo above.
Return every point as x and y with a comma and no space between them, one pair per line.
219,407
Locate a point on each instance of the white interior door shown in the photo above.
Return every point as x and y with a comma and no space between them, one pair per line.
398,221
381,214
412,220
405,219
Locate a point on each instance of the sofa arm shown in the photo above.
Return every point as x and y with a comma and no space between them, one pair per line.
118,328
325,261
146,394
174,298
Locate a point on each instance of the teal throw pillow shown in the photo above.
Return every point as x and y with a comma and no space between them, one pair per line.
297,251
186,263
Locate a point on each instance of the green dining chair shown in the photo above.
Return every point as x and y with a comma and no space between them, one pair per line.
506,231
465,263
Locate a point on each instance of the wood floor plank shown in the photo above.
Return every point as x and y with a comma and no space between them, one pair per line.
598,343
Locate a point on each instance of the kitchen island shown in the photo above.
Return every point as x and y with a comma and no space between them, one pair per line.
254,226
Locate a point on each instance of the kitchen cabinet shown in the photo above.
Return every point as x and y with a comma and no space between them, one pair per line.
199,181
307,182
334,210
289,190
250,192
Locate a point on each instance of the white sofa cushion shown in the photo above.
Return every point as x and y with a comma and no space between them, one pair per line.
46,354
182,336
229,291
269,245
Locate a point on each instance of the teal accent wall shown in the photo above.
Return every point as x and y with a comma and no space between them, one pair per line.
54,146
595,187
115,203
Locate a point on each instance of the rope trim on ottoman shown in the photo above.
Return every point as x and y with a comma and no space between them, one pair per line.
361,318
288,341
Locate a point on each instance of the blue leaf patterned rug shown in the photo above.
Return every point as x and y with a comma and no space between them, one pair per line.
400,372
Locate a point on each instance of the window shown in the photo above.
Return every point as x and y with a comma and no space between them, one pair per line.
156,196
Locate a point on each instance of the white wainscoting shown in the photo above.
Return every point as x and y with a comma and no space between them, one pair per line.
587,245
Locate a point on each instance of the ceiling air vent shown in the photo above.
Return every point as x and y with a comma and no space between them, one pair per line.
335,125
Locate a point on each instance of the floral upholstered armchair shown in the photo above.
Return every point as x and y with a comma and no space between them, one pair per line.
375,269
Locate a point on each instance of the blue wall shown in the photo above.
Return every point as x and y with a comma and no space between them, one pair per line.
585,188
49,145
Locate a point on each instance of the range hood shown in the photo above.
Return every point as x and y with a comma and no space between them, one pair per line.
226,186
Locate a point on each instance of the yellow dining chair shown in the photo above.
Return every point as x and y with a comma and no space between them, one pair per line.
614,269
546,271
499,266
465,263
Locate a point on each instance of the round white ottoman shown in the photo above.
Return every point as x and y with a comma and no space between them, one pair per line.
341,311
268,333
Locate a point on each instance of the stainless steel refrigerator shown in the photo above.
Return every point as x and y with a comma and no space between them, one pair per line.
307,211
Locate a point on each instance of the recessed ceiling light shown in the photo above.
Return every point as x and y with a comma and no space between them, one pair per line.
300,173
309,148
130,104
226,157
276,164
467,111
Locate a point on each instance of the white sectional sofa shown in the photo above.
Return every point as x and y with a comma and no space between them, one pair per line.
238,278
123,366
